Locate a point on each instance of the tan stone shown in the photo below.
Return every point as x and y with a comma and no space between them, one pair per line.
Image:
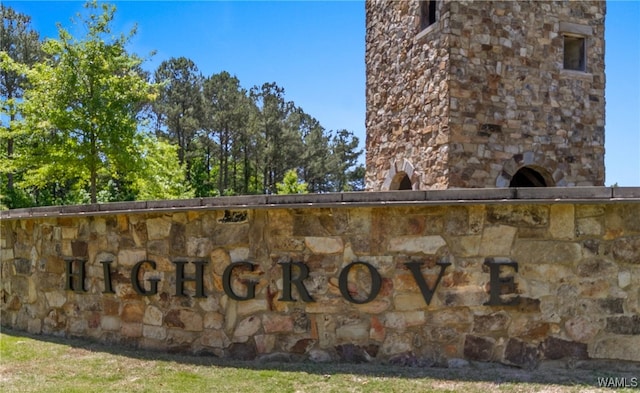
247,307
152,316
596,288
326,306
99,226
562,222
581,329
184,319
154,332
405,282
215,339
55,299
589,226
624,279
180,338
616,347
324,245
158,228
409,301
131,330
274,323
32,291
129,257
265,343
209,303
415,244
377,331
385,265
133,312
69,233
6,254
199,247
465,246
397,343
540,251
123,222
220,259
108,322
213,320
450,316
34,326
192,320
402,320
247,327
78,326
497,240
353,332
374,307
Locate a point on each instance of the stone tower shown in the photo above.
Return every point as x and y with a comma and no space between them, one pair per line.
484,94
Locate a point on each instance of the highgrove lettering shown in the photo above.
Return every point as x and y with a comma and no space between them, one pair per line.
293,275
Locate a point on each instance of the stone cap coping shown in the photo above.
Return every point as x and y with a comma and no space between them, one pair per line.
345,199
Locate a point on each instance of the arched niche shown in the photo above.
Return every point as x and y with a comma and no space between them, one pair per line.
401,181
401,176
531,176
531,169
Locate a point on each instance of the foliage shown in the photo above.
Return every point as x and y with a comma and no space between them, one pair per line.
19,48
227,117
81,108
179,106
291,185
162,175
87,125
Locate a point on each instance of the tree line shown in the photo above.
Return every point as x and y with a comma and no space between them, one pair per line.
82,122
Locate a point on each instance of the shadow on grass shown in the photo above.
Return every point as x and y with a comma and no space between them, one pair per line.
585,373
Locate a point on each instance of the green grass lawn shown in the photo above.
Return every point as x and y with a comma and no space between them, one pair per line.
45,364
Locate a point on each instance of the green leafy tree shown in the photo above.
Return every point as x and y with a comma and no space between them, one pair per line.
161,176
291,185
19,49
81,107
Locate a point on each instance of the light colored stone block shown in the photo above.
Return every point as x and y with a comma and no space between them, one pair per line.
152,316
616,347
158,228
562,222
417,244
108,322
497,240
353,332
154,332
129,257
324,245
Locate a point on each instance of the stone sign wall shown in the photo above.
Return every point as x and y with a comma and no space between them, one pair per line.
511,276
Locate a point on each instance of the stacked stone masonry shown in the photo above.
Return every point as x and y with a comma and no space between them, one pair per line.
575,288
483,92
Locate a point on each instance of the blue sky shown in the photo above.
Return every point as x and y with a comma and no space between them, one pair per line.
315,51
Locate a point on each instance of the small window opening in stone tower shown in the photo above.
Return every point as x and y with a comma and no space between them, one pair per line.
401,181
574,53
530,177
427,13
